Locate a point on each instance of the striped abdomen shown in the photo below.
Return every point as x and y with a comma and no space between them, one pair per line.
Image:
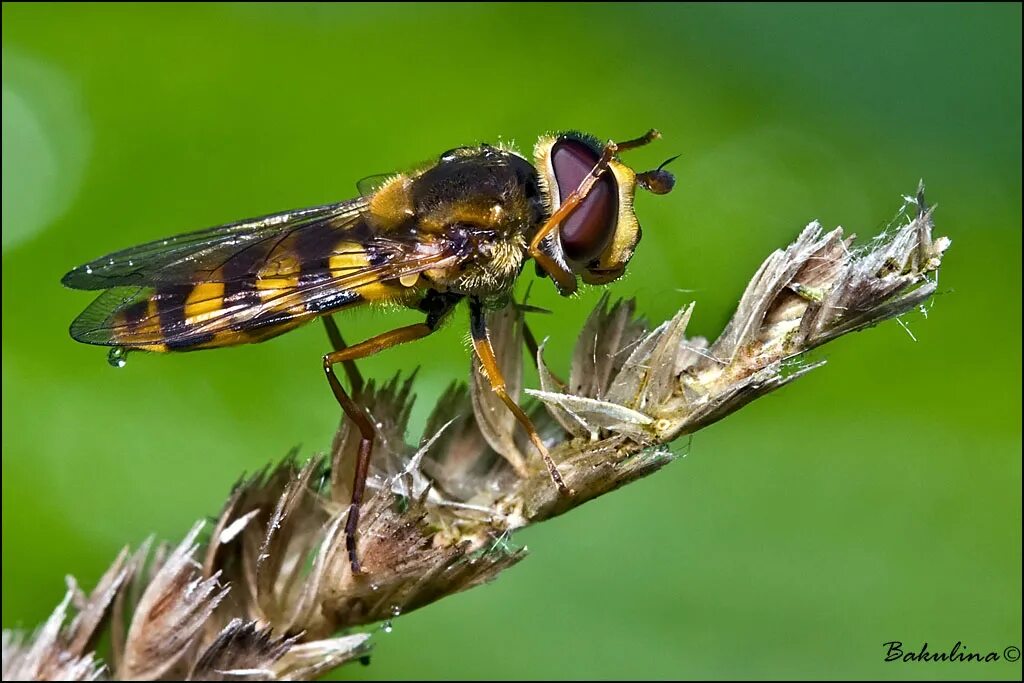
260,290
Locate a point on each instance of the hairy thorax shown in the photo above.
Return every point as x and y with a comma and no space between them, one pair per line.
481,202
491,273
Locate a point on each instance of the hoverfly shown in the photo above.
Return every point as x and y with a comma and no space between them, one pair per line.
462,227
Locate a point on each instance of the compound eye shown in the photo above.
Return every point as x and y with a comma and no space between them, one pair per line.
589,229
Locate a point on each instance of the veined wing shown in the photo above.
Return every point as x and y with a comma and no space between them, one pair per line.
223,311
229,252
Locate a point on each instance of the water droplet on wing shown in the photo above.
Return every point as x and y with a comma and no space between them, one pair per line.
118,357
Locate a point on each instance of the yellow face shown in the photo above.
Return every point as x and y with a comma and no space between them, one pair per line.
598,238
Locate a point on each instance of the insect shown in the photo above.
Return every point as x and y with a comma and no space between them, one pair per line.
461,227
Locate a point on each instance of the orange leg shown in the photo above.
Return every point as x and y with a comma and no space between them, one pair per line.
563,277
355,378
484,350
359,416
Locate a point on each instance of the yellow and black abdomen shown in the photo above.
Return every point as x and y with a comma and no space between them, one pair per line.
258,291
191,317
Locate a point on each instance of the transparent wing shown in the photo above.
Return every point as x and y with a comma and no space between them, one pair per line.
186,315
226,251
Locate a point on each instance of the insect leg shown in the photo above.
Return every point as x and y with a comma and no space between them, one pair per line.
484,351
359,417
562,276
436,307
645,139
355,378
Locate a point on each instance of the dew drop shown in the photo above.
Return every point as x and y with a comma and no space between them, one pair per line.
387,626
396,610
374,587
88,270
118,357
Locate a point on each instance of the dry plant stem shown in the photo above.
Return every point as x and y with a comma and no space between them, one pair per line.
265,593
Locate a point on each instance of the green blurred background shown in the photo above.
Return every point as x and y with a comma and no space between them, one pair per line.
877,499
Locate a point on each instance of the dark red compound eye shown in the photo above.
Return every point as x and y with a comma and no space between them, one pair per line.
588,230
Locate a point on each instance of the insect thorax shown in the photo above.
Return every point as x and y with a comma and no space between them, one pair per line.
484,200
